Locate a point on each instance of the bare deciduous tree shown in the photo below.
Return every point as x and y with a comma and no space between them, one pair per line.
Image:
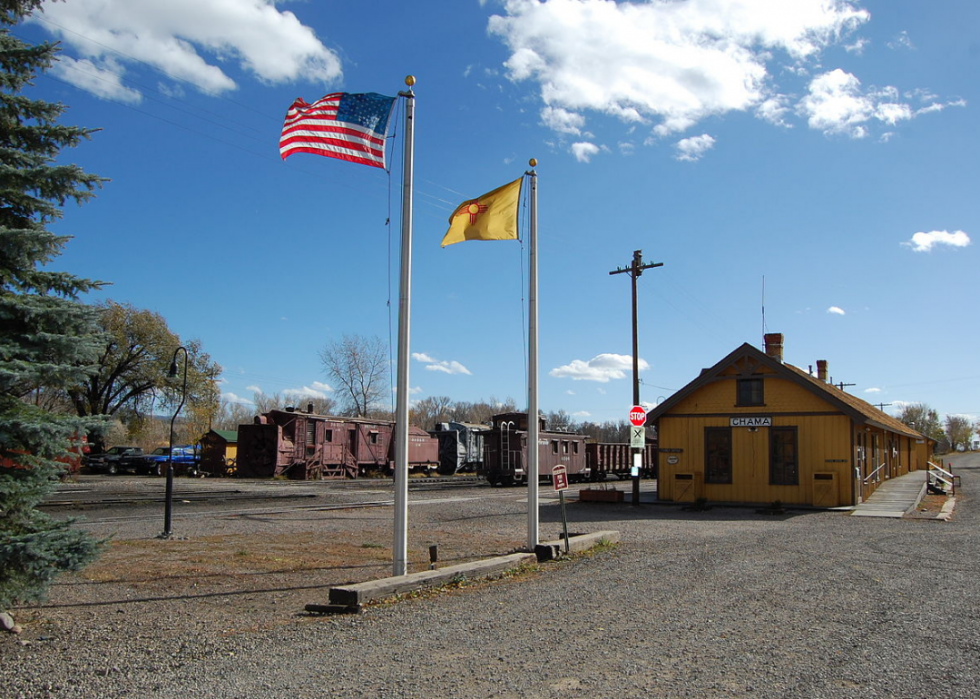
959,430
428,411
359,366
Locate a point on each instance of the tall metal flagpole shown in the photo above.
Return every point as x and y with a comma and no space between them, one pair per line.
532,369
400,547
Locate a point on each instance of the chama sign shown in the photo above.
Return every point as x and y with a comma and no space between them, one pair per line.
751,422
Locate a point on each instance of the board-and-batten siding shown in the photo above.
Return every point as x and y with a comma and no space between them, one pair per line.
824,445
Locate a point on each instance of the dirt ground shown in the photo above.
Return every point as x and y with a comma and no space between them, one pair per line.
929,507
239,582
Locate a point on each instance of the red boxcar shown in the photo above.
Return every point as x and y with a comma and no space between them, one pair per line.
505,452
304,446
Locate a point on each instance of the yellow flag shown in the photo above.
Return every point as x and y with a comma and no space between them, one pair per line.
490,217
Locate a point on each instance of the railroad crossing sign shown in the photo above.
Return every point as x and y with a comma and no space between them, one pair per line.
638,437
638,416
559,474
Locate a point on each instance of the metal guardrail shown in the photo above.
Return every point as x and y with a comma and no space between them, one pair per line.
873,476
937,474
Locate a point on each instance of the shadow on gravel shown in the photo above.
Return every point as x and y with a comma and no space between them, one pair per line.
593,512
175,598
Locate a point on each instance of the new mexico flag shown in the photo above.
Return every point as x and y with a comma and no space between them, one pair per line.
490,217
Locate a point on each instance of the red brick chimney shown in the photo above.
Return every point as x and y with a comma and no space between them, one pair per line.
822,370
774,346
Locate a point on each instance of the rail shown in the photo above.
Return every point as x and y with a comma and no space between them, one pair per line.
937,474
873,476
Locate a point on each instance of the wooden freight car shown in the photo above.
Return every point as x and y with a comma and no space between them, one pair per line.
305,446
505,451
614,459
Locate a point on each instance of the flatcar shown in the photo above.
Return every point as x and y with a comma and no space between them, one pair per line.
506,449
460,446
614,459
305,446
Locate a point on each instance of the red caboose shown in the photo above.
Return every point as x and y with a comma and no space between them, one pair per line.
304,446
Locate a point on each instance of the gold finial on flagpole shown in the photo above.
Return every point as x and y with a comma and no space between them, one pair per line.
533,162
410,80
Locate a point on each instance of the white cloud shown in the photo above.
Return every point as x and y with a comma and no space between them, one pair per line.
584,151
446,367
562,121
836,310
872,390
582,414
836,104
233,398
101,82
925,242
692,149
669,64
774,110
317,390
901,41
254,389
602,368
190,40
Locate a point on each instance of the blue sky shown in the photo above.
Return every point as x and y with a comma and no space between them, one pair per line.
824,151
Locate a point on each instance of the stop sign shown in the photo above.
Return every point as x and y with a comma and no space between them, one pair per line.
638,416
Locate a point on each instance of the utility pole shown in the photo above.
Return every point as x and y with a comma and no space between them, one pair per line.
635,270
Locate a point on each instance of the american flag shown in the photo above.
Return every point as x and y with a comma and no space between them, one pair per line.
341,125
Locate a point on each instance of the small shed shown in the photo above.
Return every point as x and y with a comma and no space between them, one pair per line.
219,451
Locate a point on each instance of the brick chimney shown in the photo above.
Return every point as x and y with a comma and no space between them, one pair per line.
822,370
774,346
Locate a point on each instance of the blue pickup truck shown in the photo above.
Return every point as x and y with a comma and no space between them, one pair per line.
187,460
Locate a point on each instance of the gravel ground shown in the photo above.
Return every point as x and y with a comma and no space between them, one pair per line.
722,603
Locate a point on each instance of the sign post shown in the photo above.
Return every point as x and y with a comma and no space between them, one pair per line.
638,442
559,475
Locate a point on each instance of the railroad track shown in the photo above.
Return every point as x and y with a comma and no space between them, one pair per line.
89,498
266,511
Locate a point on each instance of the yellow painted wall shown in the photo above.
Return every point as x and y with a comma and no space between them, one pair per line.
824,444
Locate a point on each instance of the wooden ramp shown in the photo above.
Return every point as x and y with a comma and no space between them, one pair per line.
894,497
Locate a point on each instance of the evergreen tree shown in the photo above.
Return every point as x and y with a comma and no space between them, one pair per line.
48,338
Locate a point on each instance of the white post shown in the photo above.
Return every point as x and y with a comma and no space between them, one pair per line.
400,547
532,370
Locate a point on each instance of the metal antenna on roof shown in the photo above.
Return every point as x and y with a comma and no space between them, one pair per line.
764,328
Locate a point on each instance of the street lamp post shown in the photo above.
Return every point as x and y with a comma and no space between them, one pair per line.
169,507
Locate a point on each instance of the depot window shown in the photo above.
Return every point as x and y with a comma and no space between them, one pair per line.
717,454
749,392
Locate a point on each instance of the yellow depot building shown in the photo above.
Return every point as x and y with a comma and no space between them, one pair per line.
753,429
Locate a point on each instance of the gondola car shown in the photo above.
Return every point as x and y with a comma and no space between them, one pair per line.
305,446
614,459
505,451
